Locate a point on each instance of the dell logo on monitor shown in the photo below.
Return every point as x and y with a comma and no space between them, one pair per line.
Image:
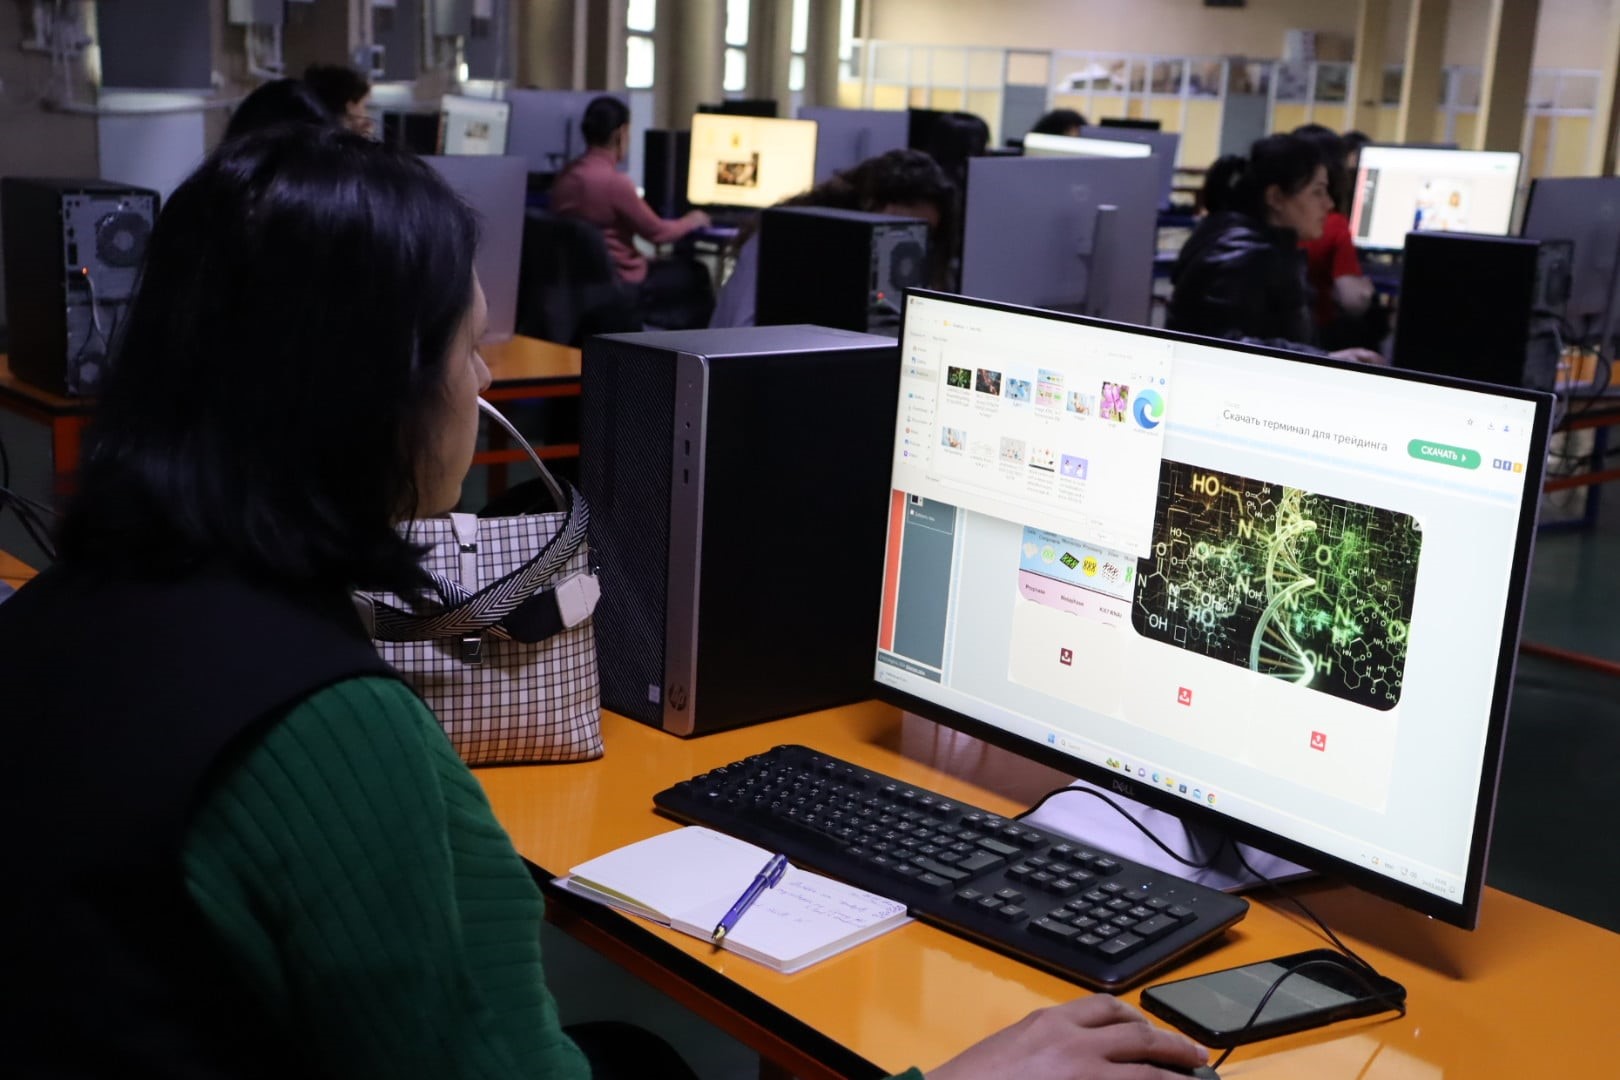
1123,787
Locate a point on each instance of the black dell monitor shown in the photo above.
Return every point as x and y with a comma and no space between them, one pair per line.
765,107
1271,594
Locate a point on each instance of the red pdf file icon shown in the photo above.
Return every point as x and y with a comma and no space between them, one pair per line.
1184,696
1319,741
1066,657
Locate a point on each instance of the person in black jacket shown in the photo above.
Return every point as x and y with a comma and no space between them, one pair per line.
1241,274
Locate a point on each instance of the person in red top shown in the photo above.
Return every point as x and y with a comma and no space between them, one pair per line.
1332,267
593,189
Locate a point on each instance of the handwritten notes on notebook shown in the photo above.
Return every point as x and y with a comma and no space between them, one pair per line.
687,879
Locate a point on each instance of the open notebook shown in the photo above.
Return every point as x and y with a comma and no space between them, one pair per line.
689,878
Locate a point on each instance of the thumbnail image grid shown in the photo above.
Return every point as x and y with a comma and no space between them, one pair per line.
1307,588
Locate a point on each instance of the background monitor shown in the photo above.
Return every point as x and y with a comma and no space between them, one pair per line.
1585,211
495,188
1036,232
1402,189
1038,145
545,125
847,137
1165,144
1220,580
749,161
470,125
765,107
1130,123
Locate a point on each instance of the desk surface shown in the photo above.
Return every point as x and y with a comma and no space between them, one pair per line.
13,571
521,361
1505,1001
17,390
514,362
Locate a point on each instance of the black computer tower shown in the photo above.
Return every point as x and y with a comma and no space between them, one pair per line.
1482,307
73,251
666,156
842,268
738,482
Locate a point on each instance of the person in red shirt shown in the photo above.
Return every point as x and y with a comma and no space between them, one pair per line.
1332,267
593,189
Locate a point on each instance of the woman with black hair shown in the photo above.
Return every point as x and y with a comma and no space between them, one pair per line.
1241,273
280,101
343,92
1340,293
905,183
243,848
1059,122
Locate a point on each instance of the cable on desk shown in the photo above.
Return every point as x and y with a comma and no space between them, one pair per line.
1128,816
1357,967
30,515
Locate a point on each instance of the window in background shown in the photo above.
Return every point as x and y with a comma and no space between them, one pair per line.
736,69
640,20
798,45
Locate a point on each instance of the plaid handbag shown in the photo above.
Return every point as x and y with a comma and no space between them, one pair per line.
506,656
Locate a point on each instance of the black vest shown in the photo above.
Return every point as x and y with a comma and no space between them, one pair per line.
118,699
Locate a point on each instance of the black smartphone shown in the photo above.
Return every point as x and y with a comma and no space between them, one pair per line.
1325,987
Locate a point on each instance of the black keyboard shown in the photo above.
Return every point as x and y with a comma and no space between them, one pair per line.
1065,906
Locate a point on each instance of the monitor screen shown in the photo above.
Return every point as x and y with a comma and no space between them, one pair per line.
749,160
1275,594
1038,145
1402,189
473,125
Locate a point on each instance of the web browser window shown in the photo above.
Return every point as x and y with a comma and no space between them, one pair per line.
1402,189
1305,637
474,126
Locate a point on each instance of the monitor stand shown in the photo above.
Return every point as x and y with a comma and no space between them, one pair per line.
1091,821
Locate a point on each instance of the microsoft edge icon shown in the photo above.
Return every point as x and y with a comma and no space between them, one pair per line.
1149,408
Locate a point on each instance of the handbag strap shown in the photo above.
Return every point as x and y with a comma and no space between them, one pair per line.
485,608
467,614
495,417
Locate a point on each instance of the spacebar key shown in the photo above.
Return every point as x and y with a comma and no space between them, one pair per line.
949,873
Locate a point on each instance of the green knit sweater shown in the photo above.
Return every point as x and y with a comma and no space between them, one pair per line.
353,864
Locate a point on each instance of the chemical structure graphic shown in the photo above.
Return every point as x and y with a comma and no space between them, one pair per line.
1305,588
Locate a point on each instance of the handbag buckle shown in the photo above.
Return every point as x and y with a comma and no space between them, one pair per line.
472,650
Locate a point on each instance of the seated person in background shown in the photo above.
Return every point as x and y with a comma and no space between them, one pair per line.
280,101
1241,273
1342,294
1059,122
262,856
344,92
906,183
593,189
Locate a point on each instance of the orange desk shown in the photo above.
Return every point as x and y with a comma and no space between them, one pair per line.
1530,993
520,368
13,571
65,416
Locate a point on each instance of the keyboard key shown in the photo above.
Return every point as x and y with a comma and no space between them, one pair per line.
1119,945
1038,863
988,903
1090,941
979,862
1124,922
1020,871
938,869
1180,912
1011,896
933,881
998,847
1097,896
1051,928
1113,888
1105,930
968,896
1012,913
1157,903
1141,912
1118,905
1058,868
1100,912
1085,922
1154,928
1041,879
1104,866
1063,851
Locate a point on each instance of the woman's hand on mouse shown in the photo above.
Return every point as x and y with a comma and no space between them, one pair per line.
1091,1038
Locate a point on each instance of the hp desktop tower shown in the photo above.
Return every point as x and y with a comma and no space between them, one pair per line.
1485,308
73,249
738,483
840,268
